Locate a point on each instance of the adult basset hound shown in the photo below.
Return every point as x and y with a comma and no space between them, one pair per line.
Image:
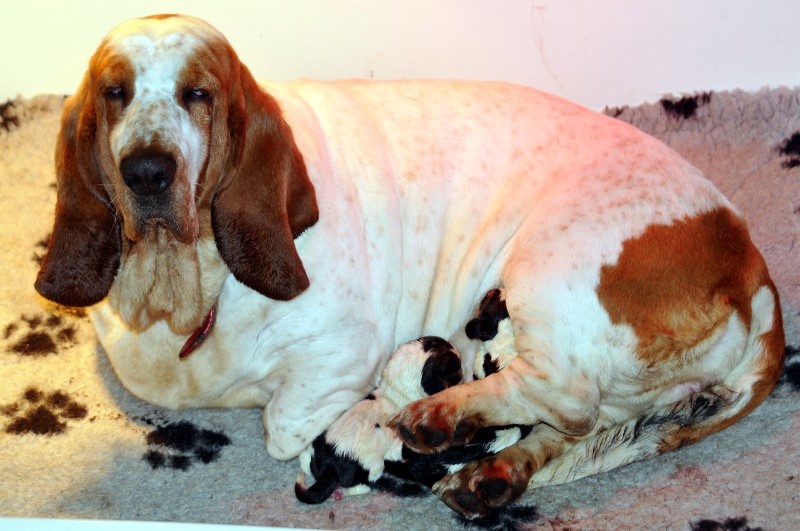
270,245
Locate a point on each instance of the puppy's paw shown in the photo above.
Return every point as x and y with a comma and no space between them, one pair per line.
485,485
433,424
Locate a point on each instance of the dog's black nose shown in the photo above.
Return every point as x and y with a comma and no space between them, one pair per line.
148,174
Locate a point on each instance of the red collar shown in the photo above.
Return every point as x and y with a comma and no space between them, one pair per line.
199,335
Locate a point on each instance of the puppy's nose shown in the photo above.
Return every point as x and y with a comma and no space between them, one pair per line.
148,174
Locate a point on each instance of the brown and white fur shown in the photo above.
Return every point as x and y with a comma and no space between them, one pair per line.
329,222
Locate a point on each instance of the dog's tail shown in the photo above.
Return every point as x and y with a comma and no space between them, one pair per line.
747,384
321,490
694,417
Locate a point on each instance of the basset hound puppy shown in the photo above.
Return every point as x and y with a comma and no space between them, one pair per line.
351,455
269,245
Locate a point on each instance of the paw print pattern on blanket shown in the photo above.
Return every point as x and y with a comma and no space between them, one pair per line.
790,150
686,107
40,249
515,517
8,115
39,335
179,445
790,377
42,413
738,523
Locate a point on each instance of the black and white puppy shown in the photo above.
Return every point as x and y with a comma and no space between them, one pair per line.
348,458
492,328
359,452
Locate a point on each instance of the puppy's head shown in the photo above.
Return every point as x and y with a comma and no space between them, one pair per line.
420,368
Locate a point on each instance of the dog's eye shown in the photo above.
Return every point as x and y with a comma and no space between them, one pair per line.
195,95
115,92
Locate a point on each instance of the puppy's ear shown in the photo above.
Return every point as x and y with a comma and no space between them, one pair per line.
442,369
491,311
265,199
83,254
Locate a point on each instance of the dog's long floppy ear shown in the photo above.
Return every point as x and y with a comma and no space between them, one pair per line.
265,199
83,254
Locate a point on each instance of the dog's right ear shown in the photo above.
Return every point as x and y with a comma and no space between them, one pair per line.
84,251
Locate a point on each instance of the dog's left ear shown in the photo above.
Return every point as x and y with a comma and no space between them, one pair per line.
265,199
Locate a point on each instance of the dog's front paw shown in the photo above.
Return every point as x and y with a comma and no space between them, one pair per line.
483,486
433,424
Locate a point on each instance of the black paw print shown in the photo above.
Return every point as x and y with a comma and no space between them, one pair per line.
40,335
790,377
42,413
513,517
8,115
729,524
790,149
685,107
40,249
179,445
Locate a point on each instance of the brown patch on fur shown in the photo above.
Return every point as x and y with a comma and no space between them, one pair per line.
83,251
675,284
266,199
161,16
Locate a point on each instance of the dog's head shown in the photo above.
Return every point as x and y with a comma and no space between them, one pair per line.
169,138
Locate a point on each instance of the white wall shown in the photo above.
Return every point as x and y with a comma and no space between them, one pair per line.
595,52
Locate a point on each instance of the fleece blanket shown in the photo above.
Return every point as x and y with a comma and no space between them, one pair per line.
75,444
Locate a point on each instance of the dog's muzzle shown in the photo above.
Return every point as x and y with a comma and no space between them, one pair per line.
148,174
157,199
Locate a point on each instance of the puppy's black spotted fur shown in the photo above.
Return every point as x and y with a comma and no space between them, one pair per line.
491,325
376,458
352,452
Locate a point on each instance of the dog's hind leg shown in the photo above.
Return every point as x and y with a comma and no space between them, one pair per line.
671,427
498,480
548,457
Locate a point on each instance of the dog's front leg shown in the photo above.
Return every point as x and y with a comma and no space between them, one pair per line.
522,393
294,417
